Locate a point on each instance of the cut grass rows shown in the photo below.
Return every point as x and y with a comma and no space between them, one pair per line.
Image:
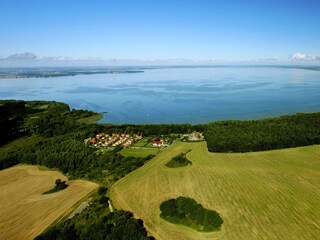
263,195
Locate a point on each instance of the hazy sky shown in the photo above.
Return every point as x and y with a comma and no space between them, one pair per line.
161,29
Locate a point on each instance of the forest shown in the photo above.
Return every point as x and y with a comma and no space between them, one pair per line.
301,129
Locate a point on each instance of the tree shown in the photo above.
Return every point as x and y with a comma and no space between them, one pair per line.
102,190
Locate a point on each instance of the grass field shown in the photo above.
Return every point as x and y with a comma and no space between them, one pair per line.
133,152
92,119
144,142
261,195
24,211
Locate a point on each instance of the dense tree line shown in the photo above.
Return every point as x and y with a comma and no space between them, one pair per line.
188,212
154,129
258,135
12,116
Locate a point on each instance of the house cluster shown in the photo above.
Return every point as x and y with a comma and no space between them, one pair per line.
112,140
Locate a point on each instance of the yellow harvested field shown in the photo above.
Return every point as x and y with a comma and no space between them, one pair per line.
260,195
24,211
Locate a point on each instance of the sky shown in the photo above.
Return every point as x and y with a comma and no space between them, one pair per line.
143,31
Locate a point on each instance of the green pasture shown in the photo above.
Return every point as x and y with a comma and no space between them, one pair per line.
259,195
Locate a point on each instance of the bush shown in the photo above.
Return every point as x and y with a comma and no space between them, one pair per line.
60,185
102,190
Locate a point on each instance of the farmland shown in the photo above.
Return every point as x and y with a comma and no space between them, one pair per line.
260,195
25,212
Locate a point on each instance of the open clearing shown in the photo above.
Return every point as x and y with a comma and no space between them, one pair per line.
138,152
91,120
261,195
24,211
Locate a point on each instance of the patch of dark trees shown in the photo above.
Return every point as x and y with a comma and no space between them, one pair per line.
179,161
188,212
12,116
103,199
59,185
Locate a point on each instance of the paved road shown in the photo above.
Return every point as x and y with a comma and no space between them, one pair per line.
79,209
110,206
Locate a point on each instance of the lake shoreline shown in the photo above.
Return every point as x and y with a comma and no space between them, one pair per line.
179,94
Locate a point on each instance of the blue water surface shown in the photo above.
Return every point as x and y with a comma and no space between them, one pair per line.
179,95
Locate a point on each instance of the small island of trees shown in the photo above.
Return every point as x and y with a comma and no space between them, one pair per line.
60,185
179,161
188,212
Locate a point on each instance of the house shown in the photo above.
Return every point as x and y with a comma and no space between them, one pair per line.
157,143
196,136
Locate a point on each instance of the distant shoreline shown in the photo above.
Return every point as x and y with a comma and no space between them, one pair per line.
34,73
47,72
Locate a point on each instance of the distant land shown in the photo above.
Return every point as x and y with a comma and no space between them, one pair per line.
57,72
45,72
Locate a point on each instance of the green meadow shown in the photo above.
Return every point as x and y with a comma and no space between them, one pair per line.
138,152
259,195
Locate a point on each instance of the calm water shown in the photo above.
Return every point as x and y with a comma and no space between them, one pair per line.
179,95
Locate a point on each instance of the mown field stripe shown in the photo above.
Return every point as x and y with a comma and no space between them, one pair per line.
260,195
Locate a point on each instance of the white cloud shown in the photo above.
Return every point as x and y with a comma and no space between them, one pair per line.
304,57
22,56
30,59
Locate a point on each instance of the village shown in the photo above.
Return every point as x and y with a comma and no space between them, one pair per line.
112,140
106,140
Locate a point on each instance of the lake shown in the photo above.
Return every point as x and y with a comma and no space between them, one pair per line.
179,95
